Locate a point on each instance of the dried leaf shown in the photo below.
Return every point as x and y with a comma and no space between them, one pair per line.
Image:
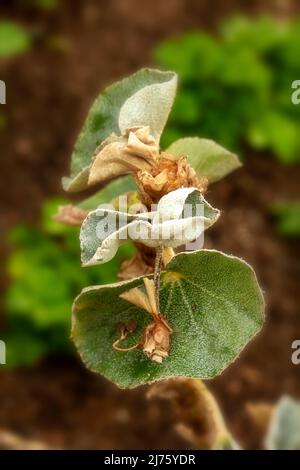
123,155
70,215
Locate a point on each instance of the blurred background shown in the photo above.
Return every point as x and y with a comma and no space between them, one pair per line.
236,62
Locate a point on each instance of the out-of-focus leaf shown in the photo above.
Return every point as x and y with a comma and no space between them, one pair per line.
45,275
261,34
14,39
45,4
284,429
287,217
193,56
278,132
234,81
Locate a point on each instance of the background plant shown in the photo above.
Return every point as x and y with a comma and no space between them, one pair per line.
45,275
287,218
14,39
236,88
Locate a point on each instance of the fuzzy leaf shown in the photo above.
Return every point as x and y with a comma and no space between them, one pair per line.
211,300
284,430
111,105
206,157
150,106
181,217
111,191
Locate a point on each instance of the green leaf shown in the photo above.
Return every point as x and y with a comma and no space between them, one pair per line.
181,217
211,300
111,191
143,99
206,157
284,429
14,39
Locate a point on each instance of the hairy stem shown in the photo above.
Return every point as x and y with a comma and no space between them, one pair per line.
156,276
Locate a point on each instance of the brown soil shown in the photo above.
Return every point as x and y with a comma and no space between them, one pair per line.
77,49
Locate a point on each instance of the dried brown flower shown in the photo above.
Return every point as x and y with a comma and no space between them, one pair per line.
155,342
169,173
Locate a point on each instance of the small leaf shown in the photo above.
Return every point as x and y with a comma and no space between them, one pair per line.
181,217
104,115
284,430
111,191
206,157
211,301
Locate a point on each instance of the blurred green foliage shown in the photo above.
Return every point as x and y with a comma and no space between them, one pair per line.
14,39
287,217
45,4
236,88
45,277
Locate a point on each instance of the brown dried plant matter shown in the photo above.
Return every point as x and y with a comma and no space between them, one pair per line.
168,172
155,342
119,155
136,266
70,215
137,153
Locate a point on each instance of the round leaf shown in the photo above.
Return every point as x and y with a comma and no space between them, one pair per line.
211,300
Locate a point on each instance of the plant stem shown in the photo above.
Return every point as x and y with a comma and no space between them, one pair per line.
156,276
199,417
